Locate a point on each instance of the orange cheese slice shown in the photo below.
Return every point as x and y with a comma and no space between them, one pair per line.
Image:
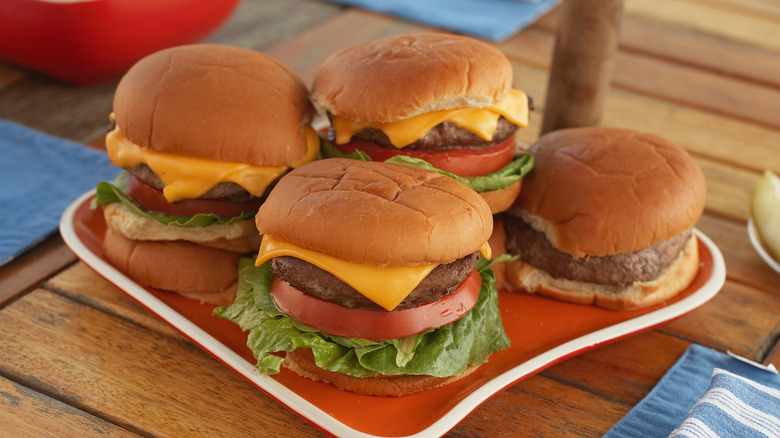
481,121
386,286
188,178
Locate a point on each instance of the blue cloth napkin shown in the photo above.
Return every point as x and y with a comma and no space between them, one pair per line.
40,175
494,20
707,391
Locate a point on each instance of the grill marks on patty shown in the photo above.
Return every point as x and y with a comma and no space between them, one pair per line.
443,136
442,281
534,248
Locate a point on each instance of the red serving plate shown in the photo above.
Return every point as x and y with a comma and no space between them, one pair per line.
542,332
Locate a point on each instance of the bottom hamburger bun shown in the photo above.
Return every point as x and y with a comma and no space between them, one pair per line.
670,282
208,275
238,237
301,362
501,199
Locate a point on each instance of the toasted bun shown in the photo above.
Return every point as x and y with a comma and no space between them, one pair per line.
402,76
214,102
302,363
603,191
237,237
670,282
501,199
206,274
376,213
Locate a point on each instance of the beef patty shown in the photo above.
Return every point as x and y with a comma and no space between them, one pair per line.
226,191
442,281
534,248
443,136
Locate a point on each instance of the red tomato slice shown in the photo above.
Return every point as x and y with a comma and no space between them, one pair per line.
375,325
461,162
153,199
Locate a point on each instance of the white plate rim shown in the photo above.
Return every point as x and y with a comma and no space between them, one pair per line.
328,423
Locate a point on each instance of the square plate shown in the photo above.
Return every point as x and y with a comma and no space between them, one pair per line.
542,332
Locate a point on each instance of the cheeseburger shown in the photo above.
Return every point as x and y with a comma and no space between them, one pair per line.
370,277
203,132
606,217
431,100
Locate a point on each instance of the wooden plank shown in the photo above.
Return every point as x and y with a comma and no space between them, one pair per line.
258,24
774,357
760,31
698,89
76,113
25,412
759,8
728,189
721,323
131,376
671,81
743,265
542,407
734,59
81,284
624,371
681,45
33,267
734,142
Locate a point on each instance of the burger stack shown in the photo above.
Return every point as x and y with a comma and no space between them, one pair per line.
441,102
606,218
203,132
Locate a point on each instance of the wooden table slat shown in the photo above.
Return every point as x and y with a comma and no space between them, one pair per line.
157,384
24,409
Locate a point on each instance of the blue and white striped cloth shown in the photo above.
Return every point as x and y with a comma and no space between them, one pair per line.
733,406
707,394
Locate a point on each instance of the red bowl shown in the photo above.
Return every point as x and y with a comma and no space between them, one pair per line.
91,41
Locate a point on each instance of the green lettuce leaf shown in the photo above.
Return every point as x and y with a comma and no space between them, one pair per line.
441,352
329,151
504,177
108,193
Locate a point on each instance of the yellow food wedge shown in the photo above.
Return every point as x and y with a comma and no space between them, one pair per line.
765,210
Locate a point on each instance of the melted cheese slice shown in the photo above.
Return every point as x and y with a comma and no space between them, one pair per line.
386,286
188,178
481,121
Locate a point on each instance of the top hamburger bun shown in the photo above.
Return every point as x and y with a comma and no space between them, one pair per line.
612,204
215,102
403,215
411,75
600,191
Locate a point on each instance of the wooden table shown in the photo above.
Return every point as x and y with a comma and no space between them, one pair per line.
79,358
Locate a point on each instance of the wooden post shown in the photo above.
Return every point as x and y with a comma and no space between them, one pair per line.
585,42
